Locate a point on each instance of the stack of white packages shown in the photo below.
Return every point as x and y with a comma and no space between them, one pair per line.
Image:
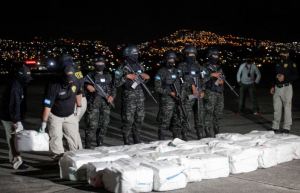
192,168
167,176
162,142
161,156
296,145
184,153
214,166
260,134
165,148
95,170
232,136
241,161
207,140
180,144
123,148
128,178
267,156
284,151
73,166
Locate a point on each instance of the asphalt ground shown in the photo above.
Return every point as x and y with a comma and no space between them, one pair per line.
43,175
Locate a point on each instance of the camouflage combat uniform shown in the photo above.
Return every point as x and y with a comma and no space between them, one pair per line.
133,100
98,109
169,112
188,72
213,99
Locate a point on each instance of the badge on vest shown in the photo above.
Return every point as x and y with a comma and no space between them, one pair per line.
193,72
157,78
285,65
140,71
295,65
62,93
173,76
117,72
102,80
73,88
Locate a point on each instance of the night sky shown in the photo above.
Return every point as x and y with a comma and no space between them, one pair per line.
133,21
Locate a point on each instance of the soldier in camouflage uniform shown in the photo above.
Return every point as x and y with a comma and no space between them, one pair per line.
98,108
213,100
192,71
133,99
168,110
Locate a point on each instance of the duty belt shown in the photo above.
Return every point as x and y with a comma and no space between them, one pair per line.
283,85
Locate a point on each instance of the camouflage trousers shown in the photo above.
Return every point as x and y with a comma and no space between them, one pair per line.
96,119
213,105
191,108
169,116
133,111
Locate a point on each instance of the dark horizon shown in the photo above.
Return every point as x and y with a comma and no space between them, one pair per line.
133,21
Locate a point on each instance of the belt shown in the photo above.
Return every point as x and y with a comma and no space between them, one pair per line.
283,85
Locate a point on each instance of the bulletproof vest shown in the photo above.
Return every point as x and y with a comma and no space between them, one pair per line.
104,81
170,78
190,71
65,92
210,85
137,69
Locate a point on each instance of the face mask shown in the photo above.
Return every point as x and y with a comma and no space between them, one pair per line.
99,68
213,60
133,59
135,56
169,64
191,59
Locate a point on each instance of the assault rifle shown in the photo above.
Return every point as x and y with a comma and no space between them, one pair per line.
181,104
140,81
223,78
99,90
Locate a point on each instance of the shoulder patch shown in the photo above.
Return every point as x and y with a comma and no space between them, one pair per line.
295,65
47,101
179,71
157,78
203,72
117,72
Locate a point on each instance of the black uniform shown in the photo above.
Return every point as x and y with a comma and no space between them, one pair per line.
288,68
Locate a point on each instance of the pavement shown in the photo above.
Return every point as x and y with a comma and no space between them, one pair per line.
43,175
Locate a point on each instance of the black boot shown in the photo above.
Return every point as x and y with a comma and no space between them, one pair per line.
161,136
99,141
136,139
216,130
207,131
184,136
175,135
88,144
126,139
199,134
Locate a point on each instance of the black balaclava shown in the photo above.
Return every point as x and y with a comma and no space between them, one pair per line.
133,59
99,68
24,76
190,59
213,60
170,64
68,74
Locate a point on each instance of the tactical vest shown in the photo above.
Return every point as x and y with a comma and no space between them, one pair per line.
210,85
190,71
103,81
137,69
170,78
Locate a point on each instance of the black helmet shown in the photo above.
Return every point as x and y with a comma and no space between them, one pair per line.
170,55
212,51
65,60
99,59
129,50
189,49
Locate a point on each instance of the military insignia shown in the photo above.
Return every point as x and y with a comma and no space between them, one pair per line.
78,75
193,72
117,72
179,71
173,76
30,72
68,73
295,65
47,101
157,78
102,80
74,88
285,65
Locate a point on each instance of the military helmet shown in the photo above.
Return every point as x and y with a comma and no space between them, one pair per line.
129,50
170,55
99,59
212,51
189,49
